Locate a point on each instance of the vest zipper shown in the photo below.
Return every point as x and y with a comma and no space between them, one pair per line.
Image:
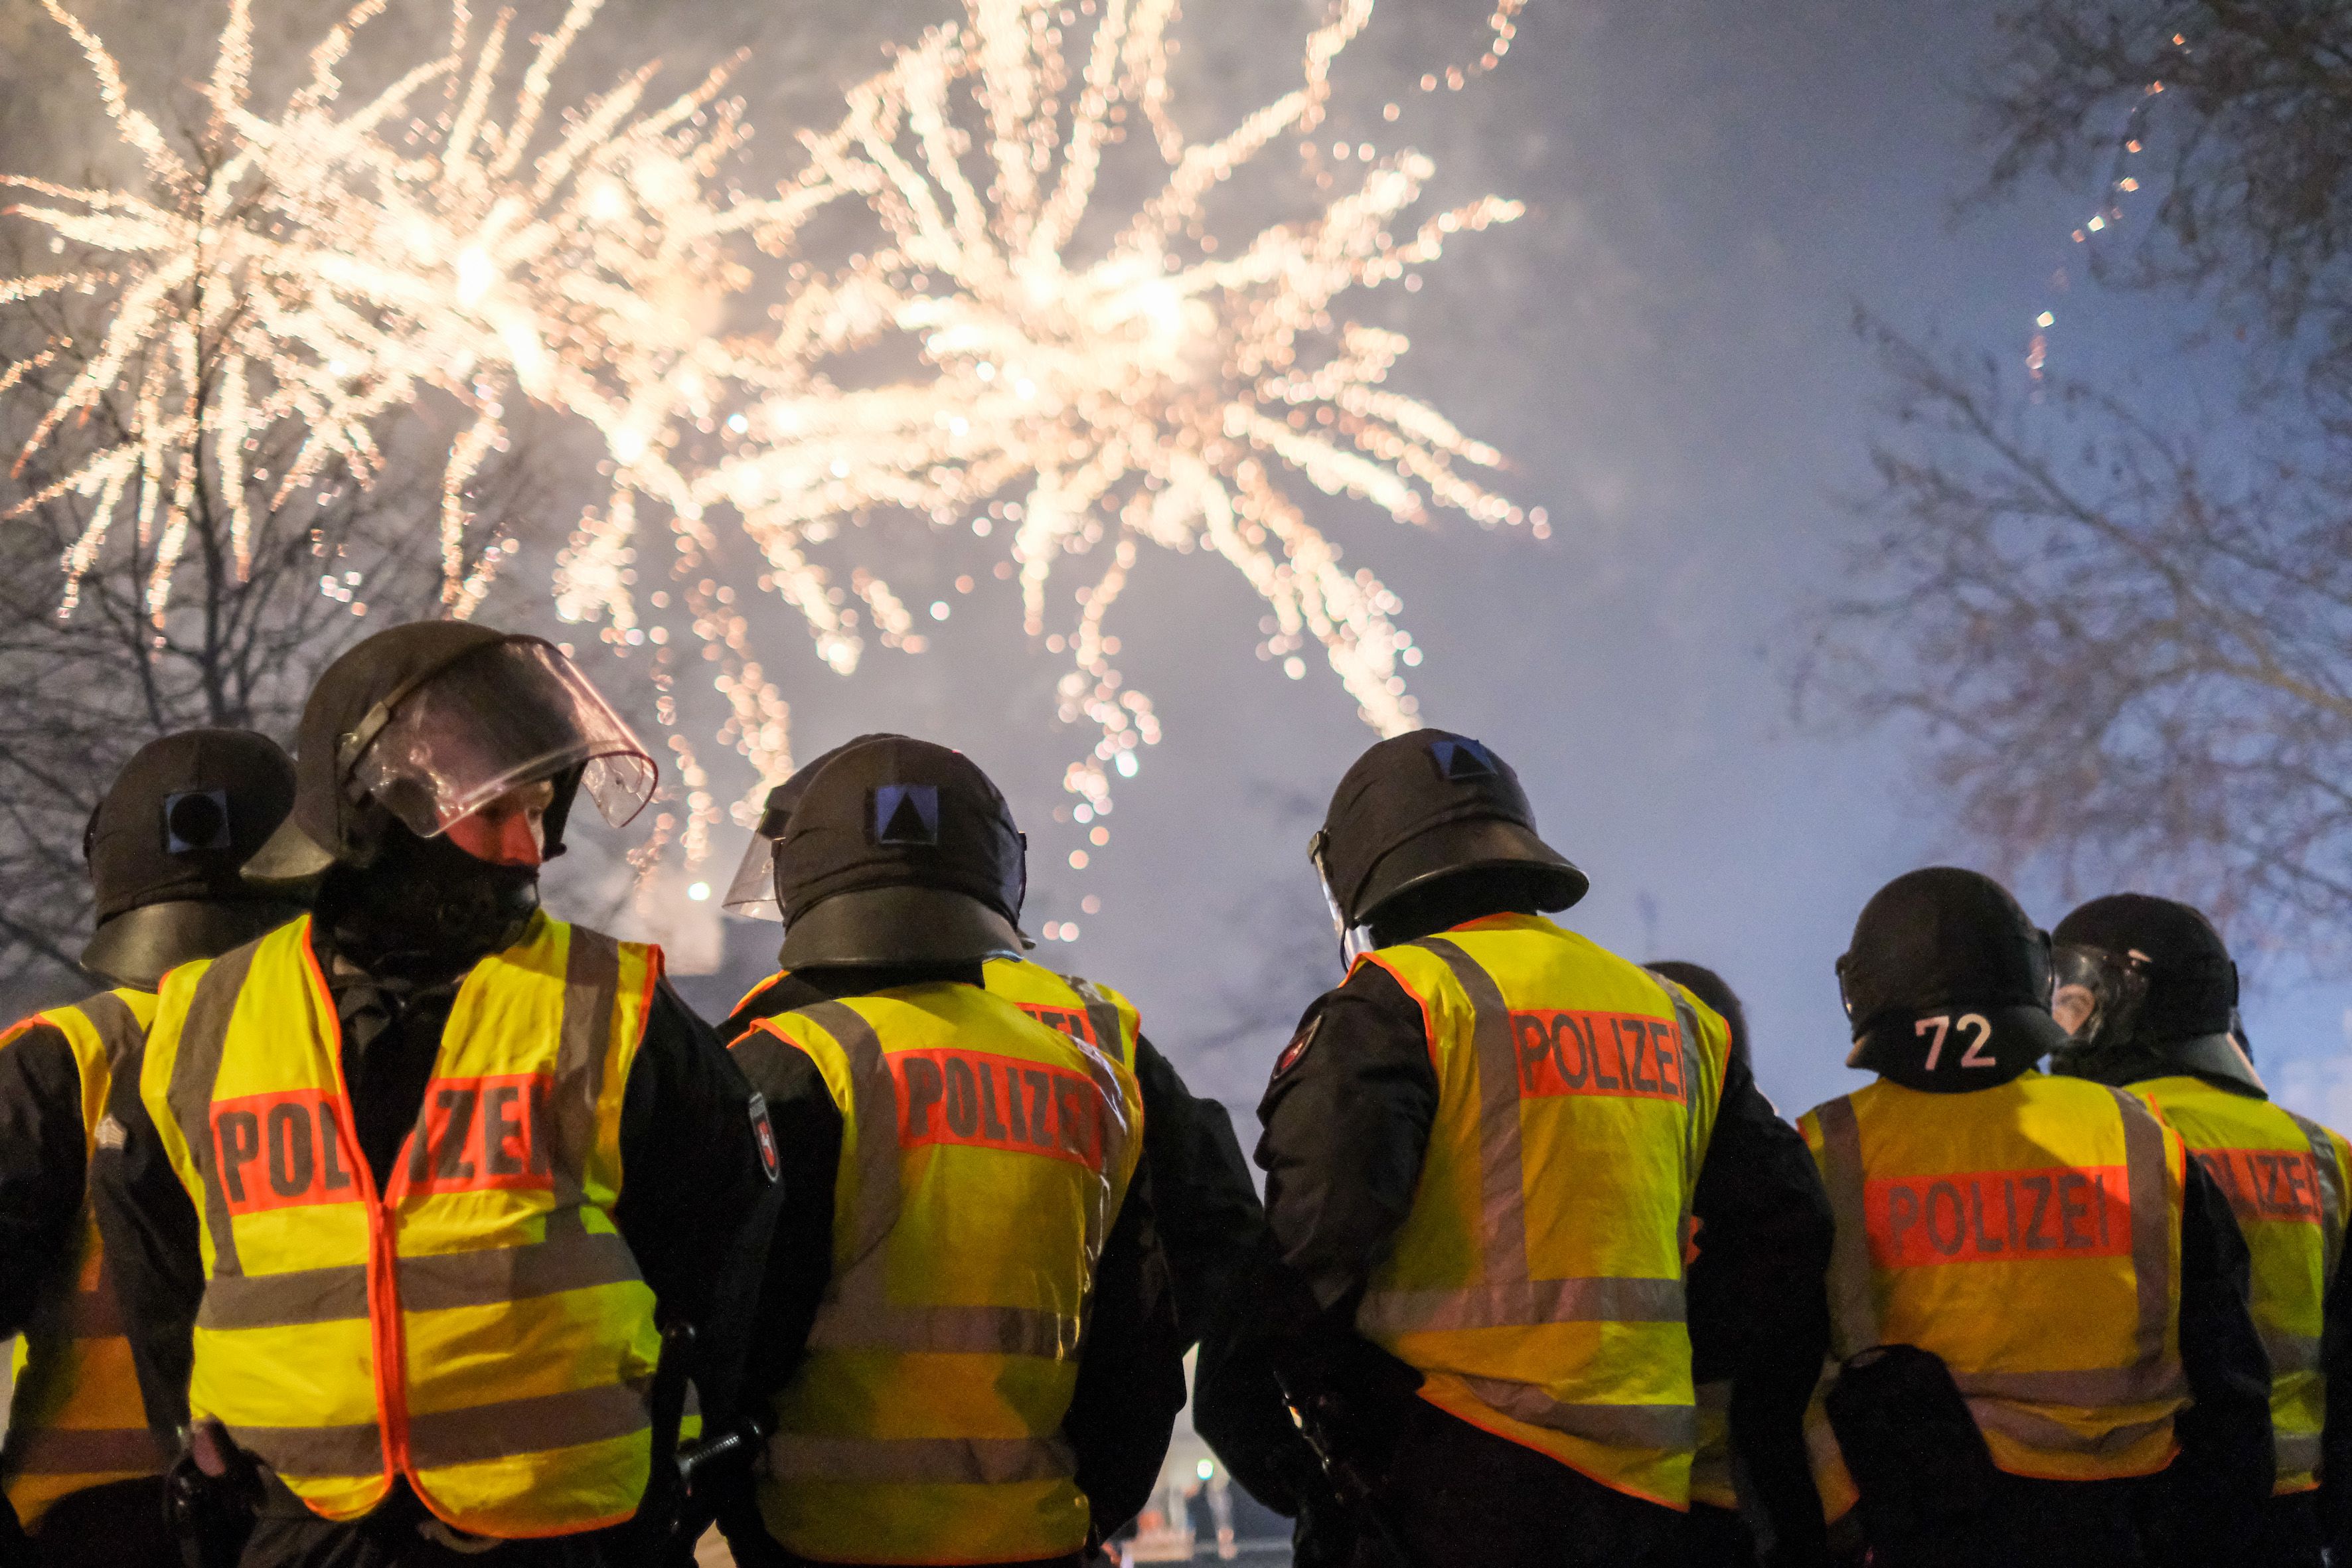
385,1334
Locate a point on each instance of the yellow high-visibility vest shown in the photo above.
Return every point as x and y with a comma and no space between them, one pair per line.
478,1327
1536,1282
2030,1235
77,1419
2285,1179
1086,1010
983,1158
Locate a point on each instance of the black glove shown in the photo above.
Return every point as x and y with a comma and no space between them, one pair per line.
1926,1477
212,1491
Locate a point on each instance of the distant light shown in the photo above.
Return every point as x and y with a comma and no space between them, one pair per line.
1078,860
700,892
939,609
2096,224
1053,932
1206,1468
1295,668
2044,320
1126,765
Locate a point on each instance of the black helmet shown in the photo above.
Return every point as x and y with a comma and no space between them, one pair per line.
899,852
1419,806
166,846
752,893
423,724
1946,974
2148,980
1710,988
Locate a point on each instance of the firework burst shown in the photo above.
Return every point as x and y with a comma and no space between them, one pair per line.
347,259
1088,382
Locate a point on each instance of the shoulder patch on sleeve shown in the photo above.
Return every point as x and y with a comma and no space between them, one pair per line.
1295,1052
111,1134
764,1133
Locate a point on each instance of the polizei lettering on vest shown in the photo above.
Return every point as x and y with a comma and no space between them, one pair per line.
1999,1216
1625,1055
997,1102
1070,1021
275,1151
479,1135
2266,1183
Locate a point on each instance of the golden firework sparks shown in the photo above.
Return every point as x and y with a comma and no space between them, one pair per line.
1088,396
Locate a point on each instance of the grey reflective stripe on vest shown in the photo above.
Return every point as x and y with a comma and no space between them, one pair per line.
203,1035
342,1452
1620,1426
119,1029
491,1277
1853,1305
1601,1300
2331,1190
2036,1431
481,1433
83,1451
592,980
1854,1312
2151,1221
1506,1295
2298,1452
1102,1017
858,1313
919,1461
2289,1352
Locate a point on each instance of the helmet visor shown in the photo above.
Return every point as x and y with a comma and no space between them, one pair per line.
752,893
2093,993
493,721
1354,941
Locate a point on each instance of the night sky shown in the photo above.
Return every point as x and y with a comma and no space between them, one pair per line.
1663,346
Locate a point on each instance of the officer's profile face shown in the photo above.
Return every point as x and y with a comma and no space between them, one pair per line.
2072,1005
511,830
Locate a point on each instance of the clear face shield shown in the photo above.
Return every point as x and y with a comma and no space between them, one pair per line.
752,893
492,722
2095,995
1354,941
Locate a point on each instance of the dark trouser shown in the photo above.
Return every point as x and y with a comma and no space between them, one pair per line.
118,1525
1460,1498
288,1535
2046,1524
1719,1538
2292,1535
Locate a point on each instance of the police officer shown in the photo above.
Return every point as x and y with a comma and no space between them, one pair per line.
1720,1535
1486,1155
1203,1203
2149,995
163,849
993,1369
402,1186
2040,1303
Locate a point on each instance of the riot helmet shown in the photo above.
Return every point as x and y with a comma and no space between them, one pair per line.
424,725
1712,989
166,846
899,852
1947,983
2145,986
752,894
1419,808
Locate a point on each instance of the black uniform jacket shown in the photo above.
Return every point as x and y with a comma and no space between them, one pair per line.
1347,1122
1131,1375
1204,1204
693,1173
